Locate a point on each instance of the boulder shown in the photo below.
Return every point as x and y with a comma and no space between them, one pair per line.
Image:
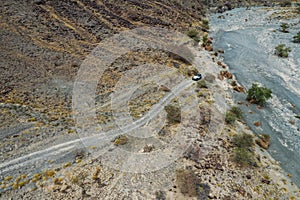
226,74
209,48
257,123
263,141
164,88
239,89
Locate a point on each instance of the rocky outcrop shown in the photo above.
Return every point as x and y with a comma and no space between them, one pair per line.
263,141
226,74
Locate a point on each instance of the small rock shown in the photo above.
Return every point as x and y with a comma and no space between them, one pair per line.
226,74
148,148
248,176
64,188
164,88
120,140
265,181
257,124
209,48
239,89
221,51
176,65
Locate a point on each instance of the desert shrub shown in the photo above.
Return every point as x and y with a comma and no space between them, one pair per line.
296,38
173,114
285,3
194,35
282,50
237,111
233,114
202,84
284,27
205,24
242,155
258,95
243,141
230,117
187,182
160,195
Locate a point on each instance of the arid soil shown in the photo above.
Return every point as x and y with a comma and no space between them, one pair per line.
43,44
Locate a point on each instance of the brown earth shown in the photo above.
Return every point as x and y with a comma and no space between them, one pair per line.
42,46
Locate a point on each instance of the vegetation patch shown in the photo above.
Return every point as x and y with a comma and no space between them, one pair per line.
194,35
233,114
258,95
242,154
284,27
296,38
120,140
282,50
189,184
173,114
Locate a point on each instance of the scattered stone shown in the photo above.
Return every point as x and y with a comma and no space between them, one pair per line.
239,89
209,48
226,74
121,140
176,65
148,148
164,88
266,181
263,141
257,124
241,191
221,51
248,176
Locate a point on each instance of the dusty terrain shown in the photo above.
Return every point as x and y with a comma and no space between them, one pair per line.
43,44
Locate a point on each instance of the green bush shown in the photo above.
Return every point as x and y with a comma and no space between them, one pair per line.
230,117
296,38
194,35
205,24
243,141
204,39
237,111
233,114
258,95
284,27
243,157
282,51
173,114
242,144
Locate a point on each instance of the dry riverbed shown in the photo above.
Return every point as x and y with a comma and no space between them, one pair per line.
206,170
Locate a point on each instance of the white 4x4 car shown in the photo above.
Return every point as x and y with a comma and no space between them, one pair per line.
197,77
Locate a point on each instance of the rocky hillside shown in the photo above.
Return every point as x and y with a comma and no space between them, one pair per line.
43,44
